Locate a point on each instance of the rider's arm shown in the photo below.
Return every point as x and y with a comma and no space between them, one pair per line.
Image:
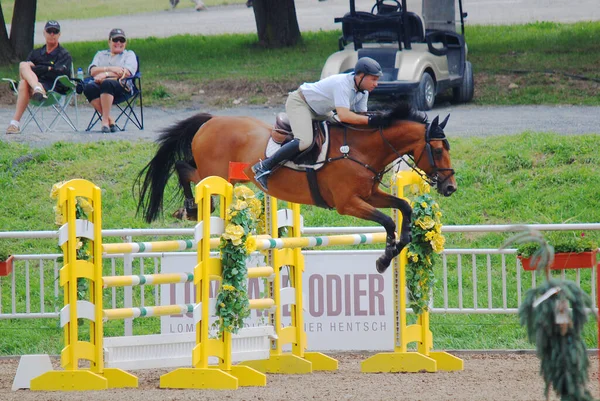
349,117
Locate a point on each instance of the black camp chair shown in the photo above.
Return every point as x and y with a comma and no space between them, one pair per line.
126,104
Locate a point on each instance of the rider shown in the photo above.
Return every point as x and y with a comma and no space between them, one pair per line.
347,94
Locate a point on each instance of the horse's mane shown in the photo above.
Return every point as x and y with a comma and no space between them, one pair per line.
405,111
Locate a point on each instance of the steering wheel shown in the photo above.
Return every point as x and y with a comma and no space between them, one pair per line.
380,6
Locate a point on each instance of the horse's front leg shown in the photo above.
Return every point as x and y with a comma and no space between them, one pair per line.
359,208
381,199
187,173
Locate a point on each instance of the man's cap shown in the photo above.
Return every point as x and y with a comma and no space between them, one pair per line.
52,24
117,33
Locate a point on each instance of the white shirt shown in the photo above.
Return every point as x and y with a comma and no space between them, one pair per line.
332,92
104,58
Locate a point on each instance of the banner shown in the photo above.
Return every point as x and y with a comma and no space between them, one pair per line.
347,304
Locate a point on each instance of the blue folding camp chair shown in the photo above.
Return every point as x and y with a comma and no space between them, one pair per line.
59,102
126,104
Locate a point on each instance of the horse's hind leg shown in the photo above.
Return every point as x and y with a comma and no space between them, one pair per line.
187,173
361,209
381,199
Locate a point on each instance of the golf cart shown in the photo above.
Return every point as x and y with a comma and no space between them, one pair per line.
419,61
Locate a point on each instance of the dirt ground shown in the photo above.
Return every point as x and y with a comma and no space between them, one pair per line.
498,377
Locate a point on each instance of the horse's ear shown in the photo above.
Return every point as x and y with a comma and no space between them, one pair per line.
443,124
434,123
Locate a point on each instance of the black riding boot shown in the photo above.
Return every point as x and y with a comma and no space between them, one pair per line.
264,168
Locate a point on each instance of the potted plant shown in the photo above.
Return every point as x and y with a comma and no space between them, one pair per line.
571,251
6,263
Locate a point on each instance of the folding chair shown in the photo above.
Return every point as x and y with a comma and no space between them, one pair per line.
59,102
126,104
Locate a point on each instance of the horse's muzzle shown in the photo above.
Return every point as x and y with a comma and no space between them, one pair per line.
449,190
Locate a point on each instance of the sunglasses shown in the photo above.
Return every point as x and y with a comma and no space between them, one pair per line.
53,31
122,40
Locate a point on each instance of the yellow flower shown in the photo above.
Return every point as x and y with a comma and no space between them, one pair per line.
234,233
79,245
85,205
239,205
438,227
414,189
425,223
424,187
243,192
428,259
228,287
429,235
415,257
256,208
58,217
424,204
222,305
230,214
250,245
54,190
438,214
438,242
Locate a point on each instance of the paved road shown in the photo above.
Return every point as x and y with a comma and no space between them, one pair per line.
312,15
465,120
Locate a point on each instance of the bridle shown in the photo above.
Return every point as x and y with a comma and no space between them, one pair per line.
433,177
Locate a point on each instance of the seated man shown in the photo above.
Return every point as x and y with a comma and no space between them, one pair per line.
109,68
38,72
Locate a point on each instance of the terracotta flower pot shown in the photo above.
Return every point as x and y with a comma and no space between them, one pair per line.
6,266
566,261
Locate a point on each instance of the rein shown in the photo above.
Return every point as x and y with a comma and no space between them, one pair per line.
378,175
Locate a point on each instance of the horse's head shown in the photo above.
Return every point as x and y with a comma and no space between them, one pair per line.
434,158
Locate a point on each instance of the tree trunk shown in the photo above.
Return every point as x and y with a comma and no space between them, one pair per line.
276,23
7,53
23,27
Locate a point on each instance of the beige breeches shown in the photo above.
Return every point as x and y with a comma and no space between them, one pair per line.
300,116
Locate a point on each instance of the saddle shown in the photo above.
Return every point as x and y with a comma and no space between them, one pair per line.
282,134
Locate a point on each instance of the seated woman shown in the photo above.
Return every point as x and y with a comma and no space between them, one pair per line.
109,68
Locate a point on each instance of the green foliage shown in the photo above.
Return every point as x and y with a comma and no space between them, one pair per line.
77,9
560,347
562,242
233,305
427,240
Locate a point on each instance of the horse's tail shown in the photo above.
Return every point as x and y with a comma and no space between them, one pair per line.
174,144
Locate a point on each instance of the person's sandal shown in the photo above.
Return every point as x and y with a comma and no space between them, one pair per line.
39,94
113,128
13,129
105,129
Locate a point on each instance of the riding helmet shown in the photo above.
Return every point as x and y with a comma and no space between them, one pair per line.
368,66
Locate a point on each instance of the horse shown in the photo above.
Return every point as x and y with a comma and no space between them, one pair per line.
203,145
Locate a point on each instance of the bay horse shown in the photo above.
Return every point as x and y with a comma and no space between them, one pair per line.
358,157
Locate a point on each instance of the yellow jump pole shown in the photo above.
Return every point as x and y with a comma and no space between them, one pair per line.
401,360
280,255
200,375
73,378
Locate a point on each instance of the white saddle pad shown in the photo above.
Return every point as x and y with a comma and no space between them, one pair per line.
273,147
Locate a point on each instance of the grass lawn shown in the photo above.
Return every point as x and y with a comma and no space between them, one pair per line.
528,178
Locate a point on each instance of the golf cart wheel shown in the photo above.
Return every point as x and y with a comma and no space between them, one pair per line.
464,92
424,96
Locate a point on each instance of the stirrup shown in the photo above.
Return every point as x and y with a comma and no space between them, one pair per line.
261,174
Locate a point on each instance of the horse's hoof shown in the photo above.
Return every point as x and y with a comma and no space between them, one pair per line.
179,214
380,266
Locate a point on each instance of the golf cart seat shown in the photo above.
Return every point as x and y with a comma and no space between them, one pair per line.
367,27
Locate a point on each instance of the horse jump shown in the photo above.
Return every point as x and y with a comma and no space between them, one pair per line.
226,376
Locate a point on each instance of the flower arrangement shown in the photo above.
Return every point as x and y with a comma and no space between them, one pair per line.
561,243
236,243
572,250
427,241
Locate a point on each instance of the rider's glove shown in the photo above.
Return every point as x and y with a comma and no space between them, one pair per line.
379,120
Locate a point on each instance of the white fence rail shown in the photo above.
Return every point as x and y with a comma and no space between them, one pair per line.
485,281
